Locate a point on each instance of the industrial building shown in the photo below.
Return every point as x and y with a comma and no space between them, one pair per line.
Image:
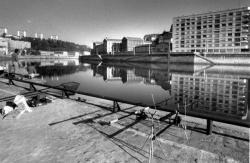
108,43
97,48
7,45
129,43
224,31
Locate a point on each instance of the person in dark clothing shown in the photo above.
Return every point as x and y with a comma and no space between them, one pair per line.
31,68
14,62
14,58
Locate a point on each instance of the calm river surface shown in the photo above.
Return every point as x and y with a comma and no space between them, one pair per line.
219,93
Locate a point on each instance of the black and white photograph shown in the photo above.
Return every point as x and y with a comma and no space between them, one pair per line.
124,81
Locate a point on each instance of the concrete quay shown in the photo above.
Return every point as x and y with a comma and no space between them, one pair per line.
36,57
67,130
180,58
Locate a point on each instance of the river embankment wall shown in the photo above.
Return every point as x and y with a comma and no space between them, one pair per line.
186,58
225,59
36,57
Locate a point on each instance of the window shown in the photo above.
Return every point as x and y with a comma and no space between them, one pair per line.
237,39
237,34
217,26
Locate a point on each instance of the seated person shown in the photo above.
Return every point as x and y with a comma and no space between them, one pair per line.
31,68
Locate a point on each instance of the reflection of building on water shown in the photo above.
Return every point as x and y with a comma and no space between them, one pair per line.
129,76
61,62
112,74
155,77
54,78
222,94
126,76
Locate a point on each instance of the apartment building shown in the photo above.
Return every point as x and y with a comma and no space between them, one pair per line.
224,31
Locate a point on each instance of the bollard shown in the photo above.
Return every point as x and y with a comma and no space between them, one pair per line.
209,127
32,87
116,106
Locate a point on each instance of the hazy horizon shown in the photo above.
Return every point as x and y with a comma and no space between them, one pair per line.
87,21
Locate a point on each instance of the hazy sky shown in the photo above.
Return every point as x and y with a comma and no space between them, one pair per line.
85,21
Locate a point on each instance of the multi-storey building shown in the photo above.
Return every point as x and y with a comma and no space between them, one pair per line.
129,43
224,31
108,43
116,48
97,48
163,43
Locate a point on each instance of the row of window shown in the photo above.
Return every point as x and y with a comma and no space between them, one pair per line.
214,50
198,45
214,16
199,36
239,20
215,40
211,26
221,30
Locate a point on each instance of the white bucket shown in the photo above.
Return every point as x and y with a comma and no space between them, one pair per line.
7,109
20,101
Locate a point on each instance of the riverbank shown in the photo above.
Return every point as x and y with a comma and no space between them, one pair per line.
71,131
179,58
36,57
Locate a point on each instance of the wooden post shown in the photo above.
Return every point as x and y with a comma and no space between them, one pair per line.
32,87
116,106
209,126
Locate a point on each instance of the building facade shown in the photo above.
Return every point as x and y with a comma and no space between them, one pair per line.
108,44
116,48
163,42
16,44
97,48
129,43
3,46
145,49
224,31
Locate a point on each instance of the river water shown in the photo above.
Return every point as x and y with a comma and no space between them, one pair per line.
218,93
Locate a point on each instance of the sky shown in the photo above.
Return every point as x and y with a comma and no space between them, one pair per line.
86,21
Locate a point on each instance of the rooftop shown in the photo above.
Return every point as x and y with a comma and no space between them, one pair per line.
133,38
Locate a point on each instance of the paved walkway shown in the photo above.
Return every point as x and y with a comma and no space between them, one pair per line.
71,131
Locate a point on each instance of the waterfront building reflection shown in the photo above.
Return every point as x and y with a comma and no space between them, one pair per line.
225,95
207,92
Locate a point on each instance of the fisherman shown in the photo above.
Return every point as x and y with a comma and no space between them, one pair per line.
14,59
